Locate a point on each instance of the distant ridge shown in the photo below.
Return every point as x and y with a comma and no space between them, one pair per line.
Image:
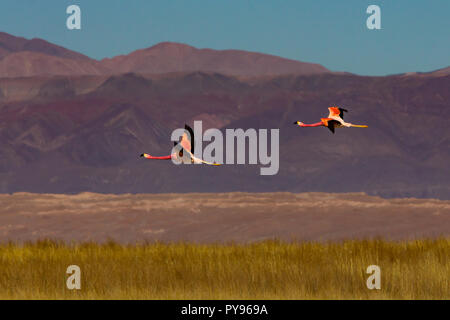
20,57
11,44
167,57
443,71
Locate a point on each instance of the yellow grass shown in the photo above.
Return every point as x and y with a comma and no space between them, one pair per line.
265,270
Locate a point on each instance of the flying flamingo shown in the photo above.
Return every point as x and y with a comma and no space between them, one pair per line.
185,153
335,120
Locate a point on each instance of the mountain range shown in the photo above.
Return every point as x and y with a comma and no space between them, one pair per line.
20,57
69,123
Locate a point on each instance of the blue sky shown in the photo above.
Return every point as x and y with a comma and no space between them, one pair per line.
415,34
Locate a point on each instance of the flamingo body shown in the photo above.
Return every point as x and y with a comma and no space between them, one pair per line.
185,154
334,120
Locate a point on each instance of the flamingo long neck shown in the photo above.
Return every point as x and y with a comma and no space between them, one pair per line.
147,156
318,124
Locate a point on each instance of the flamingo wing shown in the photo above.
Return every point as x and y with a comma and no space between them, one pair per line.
330,123
341,114
187,140
336,112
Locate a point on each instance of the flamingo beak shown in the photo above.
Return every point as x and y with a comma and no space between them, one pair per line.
296,122
142,155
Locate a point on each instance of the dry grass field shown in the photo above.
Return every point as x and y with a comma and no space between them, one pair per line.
223,246
266,270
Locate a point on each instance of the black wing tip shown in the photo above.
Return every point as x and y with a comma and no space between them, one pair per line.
187,127
331,125
191,133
